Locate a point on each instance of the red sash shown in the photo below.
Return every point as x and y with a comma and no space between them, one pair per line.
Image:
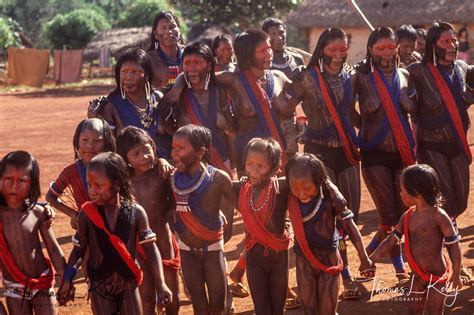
411,261
92,213
398,132
297,222
265,105
172,264
198,229
350,149
450,103
41,283
215,157
255,221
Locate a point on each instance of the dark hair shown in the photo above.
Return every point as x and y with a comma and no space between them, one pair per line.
462,30
168,15
116,170
270,22
200,49
421,32
245,44
304,164
327,36
198,137
23,160
376,35
130,137
109,141
264,145
138,56
422,180
434,33
406,32
217,41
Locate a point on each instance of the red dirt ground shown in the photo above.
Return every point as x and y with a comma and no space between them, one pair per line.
44,122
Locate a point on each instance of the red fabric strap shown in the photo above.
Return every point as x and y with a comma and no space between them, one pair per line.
198,229
172,264
350,149
298,228
215,157
41,283
255,221
406,152
450,103
411,261
92,213
265,105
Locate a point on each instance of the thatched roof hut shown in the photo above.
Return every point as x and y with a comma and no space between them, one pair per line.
117,40
316,15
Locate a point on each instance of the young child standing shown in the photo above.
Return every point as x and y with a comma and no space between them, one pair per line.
28,275
426,228
110,226
313,212
152,190
92,137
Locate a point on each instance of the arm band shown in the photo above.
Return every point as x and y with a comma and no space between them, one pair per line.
451,239
347,214
146,236
397,235
69,273
76,240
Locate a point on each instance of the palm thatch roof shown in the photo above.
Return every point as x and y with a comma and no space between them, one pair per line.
117,40
340,13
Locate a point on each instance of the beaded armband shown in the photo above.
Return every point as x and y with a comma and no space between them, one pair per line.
76,240
346,214
146,236
397,235
451,239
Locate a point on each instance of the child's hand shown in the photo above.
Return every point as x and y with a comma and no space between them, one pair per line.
455,283
367,268
65,293
165,168
50,214
164,296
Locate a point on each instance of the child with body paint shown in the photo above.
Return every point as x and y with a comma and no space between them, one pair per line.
426,227
313,212
28,275
152,190
110,226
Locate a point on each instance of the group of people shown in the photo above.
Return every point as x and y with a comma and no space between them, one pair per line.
187,136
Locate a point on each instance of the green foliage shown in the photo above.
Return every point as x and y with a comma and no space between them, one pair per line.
235,13
75,29
142,12
9,33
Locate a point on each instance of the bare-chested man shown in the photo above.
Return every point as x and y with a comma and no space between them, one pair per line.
152,190
110,227
28,276
198,189
426,228
442,118
385,138
165,49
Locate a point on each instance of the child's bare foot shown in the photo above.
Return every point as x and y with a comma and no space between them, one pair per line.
292,300
238,289
351,290
467,278
403,280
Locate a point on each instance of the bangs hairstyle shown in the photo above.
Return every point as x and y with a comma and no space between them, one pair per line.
200,49
167,15
307,164
135,55
109,141
264,145
116,171
271,22
374,37
422,180
434,33
245,44
406,32
327,36
198,137
218,40
24,160
130,137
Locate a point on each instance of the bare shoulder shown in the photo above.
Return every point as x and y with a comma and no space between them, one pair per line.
39,212
221,177
442,216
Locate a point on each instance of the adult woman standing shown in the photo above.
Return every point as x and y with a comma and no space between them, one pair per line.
224,53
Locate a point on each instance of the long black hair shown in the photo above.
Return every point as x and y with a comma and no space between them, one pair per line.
376,35
217,41
327,36
24,160
307,164
109,140
168,15
264,145
245,44
422,180
200,49
434,33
